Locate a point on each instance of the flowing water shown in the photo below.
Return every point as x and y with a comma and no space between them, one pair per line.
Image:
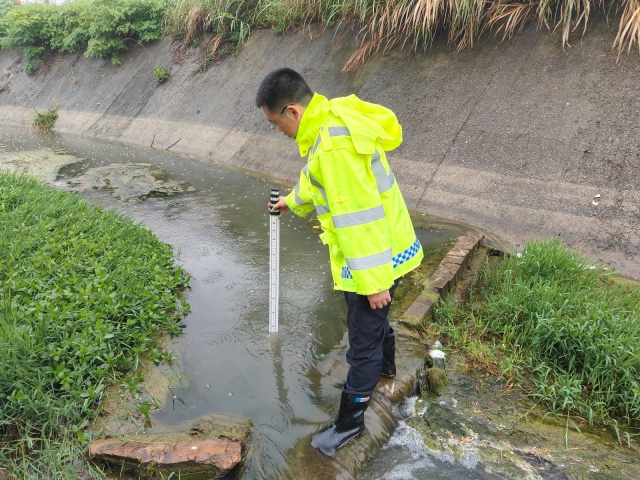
216,219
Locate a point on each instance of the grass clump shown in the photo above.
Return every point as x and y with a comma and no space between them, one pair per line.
84,294
44,121
160,73
568,323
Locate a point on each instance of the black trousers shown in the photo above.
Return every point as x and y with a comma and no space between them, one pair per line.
367,329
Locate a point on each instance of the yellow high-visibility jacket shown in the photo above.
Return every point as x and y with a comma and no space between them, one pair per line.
349,183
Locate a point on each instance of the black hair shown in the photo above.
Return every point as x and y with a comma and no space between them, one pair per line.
283,87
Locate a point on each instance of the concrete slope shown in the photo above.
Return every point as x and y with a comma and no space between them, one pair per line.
516,139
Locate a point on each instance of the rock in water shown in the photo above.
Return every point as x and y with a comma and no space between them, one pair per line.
211,447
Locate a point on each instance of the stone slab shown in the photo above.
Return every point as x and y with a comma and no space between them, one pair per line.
221,453
212,445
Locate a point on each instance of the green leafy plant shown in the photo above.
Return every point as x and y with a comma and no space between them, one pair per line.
206,62
32,65
84,296
6,5
160,73
101,27
33,55
44,121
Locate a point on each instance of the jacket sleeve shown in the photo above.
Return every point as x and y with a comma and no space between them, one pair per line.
299,199
359,219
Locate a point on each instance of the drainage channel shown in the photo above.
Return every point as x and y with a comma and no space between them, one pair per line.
217,222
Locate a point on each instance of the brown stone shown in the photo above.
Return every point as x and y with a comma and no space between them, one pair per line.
218,455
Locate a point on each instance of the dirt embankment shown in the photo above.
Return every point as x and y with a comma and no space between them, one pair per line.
516,139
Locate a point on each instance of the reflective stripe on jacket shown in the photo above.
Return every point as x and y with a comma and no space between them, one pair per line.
349,183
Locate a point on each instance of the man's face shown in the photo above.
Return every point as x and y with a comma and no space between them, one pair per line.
287,120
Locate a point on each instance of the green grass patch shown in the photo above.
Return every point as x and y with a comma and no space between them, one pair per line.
44,121
564,321
84,295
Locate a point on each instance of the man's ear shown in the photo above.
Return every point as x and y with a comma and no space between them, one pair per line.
296,110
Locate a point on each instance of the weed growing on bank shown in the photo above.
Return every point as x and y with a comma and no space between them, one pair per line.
84,294
33,55
553,314
44,121
160,74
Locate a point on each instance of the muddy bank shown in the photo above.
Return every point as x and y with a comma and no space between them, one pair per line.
516,139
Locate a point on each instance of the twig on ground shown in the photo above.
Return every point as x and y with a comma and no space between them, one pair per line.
173,143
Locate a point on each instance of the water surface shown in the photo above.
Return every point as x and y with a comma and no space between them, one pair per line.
219,231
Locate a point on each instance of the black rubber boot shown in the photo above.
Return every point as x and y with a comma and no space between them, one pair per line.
349,423
389,356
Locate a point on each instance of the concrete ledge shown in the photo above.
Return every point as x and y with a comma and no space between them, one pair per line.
443,279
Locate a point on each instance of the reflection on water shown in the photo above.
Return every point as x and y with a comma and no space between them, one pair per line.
220,236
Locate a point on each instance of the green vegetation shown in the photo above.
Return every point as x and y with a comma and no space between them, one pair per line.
160,73
44,121
33,55
106,27
570,324
230,20
84,295
103,27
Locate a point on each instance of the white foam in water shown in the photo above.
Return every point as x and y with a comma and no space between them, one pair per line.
411,441
406,405
408,437
412,460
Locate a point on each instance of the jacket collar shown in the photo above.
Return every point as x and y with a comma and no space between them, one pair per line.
312,118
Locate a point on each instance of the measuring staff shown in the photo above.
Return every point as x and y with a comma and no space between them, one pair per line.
274,261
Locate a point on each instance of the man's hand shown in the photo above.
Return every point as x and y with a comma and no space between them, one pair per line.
379,300
280,204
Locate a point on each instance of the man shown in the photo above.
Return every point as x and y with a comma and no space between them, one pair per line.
364,220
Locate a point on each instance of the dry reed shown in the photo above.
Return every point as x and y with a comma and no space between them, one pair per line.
387,24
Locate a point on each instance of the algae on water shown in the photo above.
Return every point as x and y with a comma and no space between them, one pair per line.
42,163
129,180
125,181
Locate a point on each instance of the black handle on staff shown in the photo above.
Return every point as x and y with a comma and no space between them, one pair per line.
275,195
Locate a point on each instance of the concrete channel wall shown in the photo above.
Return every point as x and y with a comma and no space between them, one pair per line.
516,139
